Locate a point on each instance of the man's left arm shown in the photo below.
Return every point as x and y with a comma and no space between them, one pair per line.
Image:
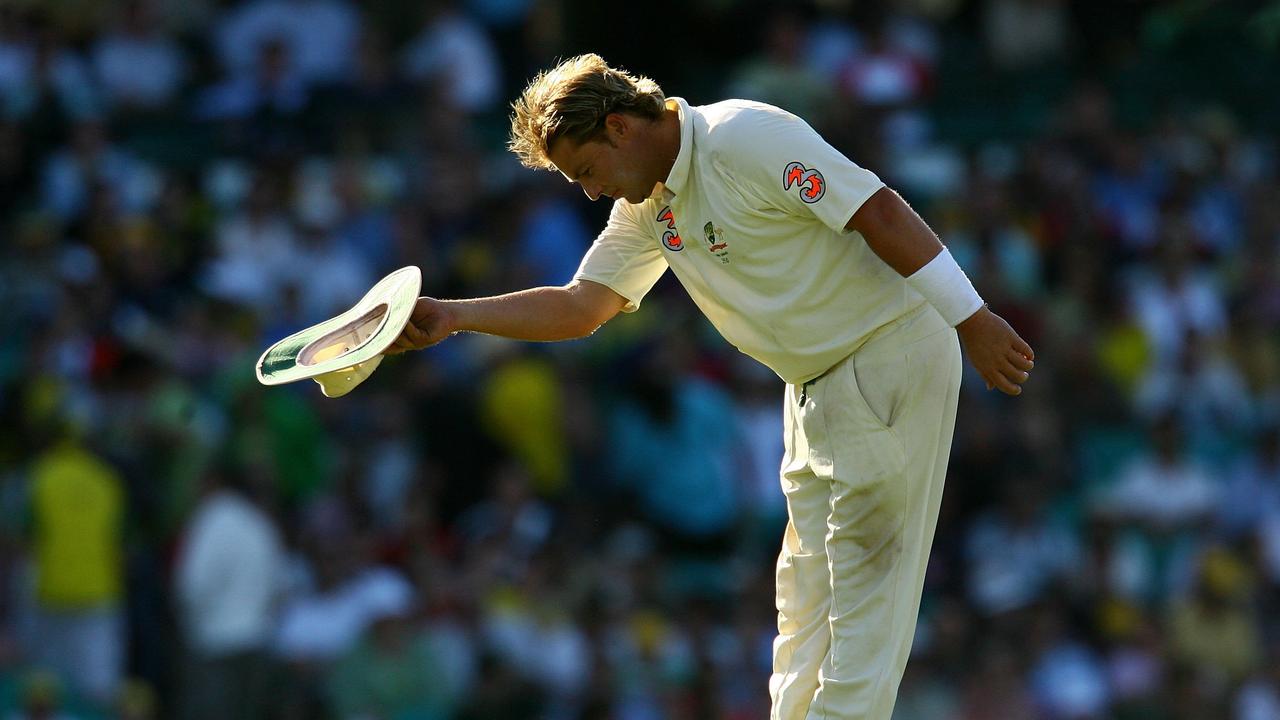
901,238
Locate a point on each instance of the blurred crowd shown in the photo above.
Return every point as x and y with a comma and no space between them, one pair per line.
496,530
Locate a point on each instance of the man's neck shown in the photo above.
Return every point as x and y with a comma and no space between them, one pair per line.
669,138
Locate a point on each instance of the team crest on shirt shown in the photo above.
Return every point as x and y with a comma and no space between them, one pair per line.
812,185
716,244
670,236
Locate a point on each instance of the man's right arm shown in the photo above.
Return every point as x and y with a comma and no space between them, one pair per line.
539,314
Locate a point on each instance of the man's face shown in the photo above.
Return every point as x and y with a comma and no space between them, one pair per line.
615,165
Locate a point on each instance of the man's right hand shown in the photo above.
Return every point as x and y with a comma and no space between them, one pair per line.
431,322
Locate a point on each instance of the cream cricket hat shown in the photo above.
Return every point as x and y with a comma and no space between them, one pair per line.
341,352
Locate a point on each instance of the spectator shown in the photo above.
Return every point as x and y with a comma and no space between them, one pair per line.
777,73
335,277
833,41
395,671
17,50
527,622
77,504
1136,661
253,250
137,65
1127,190
91,164
272,87
319,36
764,509
1162,500
1205,390
394,465
227,586
1164,489
1180,299
1268,539
454,53
364,225
552,235
1023,34
1216,206
40,74
692,425
321,624
993,249
1017,552
513,520
1212,630
42,699
1068,680
1259,698
1252,493
523,409
889,74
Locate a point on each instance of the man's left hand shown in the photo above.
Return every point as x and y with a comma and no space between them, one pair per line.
1001,357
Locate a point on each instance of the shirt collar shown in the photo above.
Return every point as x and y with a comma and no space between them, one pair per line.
679,174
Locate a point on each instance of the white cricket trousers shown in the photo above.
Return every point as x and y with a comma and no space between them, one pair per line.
867,445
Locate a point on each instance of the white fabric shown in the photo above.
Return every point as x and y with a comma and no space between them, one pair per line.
455,49
325,625
229,575
866,457
1169,495
321,36
254,260
947,288
86,647
145,70
69,176
1258,700
1169,311
780,278
1010,565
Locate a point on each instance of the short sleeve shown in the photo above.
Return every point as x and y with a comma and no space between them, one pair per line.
625,257
787,165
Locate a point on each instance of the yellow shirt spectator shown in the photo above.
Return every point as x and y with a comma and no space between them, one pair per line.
77,504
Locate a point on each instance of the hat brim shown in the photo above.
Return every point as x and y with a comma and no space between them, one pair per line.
344,342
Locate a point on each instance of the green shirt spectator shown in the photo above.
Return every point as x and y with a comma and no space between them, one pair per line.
394,673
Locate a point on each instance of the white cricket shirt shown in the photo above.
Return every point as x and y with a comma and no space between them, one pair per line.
751,220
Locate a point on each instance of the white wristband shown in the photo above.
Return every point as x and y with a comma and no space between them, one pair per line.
947,288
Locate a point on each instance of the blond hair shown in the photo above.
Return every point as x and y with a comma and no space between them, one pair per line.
571,101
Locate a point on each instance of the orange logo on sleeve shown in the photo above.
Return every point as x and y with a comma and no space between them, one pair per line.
812,185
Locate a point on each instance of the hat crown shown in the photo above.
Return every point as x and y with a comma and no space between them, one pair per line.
341,352
345,339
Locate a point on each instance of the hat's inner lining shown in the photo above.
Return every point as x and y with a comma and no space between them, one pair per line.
345,339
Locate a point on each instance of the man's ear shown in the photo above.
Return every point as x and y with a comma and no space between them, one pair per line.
616,125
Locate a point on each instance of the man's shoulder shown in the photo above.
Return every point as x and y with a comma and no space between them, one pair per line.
729,117
736,106
734,128
635,212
